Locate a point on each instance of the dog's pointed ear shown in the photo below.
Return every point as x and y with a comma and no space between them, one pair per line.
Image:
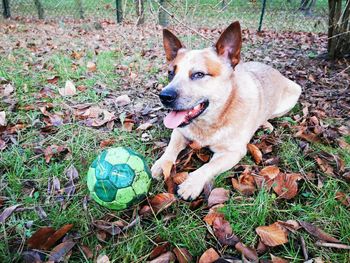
230,43
171,45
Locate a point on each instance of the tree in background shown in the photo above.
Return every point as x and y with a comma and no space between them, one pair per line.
338,29
119,10
140,11
307,5
162,14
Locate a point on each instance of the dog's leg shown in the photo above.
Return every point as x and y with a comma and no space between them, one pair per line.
177,143
220,162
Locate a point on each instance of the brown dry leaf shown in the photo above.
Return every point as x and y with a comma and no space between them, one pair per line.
203,157
211,216
179,178
275,259
162,201
343,144
144,126
108,227
158,250
56,236
164,258
325,166
167,167
209,256
270,172
31,257
3,121
54,150
68,90
8,212
272,235
91,66
196,203
128,124
182,255
317,232
170,185
261,248
291,225
39,238
248,252
218,196
255,152
52,79
122,100
343,198
286,186
107,142
76,54
245,184
223,232
87,252
57,254
145,210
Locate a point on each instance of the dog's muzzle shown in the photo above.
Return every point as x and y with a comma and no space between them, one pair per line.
168,97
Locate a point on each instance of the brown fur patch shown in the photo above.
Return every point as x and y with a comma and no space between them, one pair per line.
213,67
177,59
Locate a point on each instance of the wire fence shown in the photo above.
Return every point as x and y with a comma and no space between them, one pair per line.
280,15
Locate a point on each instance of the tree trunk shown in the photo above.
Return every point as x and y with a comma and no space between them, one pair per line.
79,4
6,6
40,9
338,29
307,6
162,15
140,12
119,10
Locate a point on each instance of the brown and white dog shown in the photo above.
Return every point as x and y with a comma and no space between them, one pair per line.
218,102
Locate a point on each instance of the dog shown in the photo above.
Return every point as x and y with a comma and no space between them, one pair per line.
217,101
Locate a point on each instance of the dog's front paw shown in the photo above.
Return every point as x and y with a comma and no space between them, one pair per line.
191,187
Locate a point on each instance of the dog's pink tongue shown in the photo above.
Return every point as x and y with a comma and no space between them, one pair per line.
174,119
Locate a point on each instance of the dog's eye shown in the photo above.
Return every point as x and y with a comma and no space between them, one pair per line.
197,75
171,74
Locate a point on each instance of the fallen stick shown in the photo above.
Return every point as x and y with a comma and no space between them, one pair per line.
332,245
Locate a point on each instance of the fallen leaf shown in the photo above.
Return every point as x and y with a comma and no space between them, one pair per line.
212,215
57,235
179,178
245,184
261,248
275,259
122,100
343,198
248,252
102,259
58,252
128,124
270,172
196,203
68,90
223,232
39,238
109,227
8,90
145,210
158,250
107,142
144,126
164,258
91,66
8,212
53,150
285,185
325,166
31,257
182,255
218,196
3,121
87,252
162,201
203,157
272,235
255,152
209,256
291,225
317,232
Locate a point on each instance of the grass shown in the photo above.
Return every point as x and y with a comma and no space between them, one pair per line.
22,168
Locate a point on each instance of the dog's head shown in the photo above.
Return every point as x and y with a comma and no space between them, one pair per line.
200,80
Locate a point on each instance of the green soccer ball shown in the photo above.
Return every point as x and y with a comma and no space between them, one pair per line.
118,178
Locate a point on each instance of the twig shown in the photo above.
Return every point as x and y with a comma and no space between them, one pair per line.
182,23
332,245
303,248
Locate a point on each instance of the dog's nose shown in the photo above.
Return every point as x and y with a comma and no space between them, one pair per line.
167,96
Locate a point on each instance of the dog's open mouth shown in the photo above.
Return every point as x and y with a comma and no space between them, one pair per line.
181,118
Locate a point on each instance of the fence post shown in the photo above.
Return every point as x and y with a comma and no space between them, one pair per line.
40,8
119,10
262,15
6,6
